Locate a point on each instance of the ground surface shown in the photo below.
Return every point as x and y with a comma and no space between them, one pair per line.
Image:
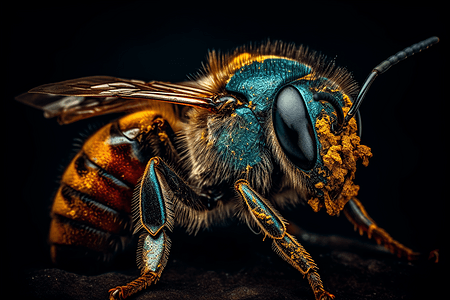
221,269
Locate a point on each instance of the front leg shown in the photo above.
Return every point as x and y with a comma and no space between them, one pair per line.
273,226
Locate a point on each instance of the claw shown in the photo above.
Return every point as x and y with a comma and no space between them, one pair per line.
116,293
326,296
123,292
434,254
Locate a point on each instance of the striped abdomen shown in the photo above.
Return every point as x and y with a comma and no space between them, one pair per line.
92,208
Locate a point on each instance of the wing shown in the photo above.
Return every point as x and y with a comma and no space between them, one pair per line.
82,98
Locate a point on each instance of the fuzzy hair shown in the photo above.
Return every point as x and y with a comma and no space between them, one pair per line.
221,67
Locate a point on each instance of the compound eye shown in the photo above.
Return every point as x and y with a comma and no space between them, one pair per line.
293,128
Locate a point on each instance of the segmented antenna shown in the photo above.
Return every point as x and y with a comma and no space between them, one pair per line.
407,52
383,67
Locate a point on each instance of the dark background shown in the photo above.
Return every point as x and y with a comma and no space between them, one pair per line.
404,114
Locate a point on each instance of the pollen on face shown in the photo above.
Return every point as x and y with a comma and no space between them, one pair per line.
339,154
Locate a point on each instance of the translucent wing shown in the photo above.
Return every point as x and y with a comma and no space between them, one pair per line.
81,98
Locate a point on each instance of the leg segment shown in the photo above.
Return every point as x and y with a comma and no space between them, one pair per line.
294,253
153,215
262,212
357,215
152,258
272,224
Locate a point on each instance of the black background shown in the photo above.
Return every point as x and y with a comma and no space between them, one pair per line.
404,115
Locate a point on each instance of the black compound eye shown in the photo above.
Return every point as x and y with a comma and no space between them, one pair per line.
293,128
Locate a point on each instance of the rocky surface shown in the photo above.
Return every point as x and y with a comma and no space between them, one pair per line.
211,267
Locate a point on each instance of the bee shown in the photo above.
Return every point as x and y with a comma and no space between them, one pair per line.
260,127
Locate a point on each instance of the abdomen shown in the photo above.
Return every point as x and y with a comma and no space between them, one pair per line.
91,213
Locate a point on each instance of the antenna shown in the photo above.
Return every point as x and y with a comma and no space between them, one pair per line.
383,67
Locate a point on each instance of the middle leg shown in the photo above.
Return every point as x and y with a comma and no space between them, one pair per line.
153,217
272,224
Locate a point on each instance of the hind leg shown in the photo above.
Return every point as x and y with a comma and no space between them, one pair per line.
357,215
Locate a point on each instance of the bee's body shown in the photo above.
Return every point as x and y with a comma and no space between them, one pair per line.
262,127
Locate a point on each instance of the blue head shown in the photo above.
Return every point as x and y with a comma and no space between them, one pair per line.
277,110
